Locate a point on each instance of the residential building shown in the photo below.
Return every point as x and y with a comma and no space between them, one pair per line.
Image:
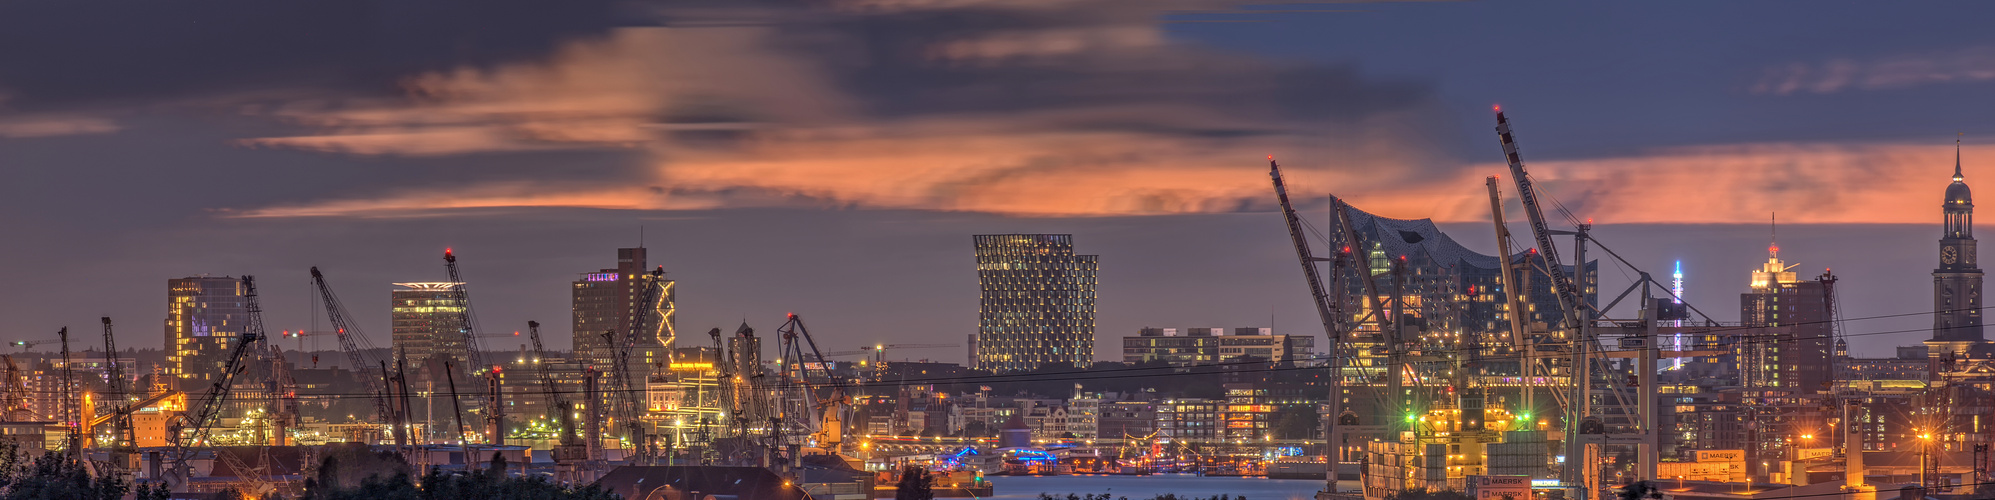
1188,420
1036,302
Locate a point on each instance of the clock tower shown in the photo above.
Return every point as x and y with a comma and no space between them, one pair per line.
1957,282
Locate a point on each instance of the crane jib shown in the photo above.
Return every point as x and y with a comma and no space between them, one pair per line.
1562,284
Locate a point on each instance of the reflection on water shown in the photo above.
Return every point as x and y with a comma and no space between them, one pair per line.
1144,487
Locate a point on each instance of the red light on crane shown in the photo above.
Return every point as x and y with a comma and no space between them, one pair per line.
1496,107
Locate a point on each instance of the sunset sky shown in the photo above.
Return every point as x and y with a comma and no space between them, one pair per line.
832,158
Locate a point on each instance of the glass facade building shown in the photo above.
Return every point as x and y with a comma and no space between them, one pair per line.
1037,302
205,317
425,323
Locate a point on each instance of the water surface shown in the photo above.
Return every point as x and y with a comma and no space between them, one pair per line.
1145,487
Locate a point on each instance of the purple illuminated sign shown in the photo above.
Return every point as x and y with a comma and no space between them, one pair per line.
600,277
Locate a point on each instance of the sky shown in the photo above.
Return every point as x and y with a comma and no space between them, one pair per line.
832,158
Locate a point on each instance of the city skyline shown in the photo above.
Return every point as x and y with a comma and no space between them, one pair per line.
222,167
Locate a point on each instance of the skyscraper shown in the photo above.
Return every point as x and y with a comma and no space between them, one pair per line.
1957,281
205,317
608,299
1036,304
425,325
1788,343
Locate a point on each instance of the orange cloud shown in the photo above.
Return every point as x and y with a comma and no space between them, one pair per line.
51,125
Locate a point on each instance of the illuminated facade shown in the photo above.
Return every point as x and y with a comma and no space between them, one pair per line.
1037,302
607,300
425,321
204,321
1787,342
1198,346
1441,295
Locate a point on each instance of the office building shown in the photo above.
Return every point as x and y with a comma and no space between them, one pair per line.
1037,302
1787,342
427,324
1197,346
205,317
607,300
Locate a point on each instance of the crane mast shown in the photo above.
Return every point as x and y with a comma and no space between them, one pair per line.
495,418
350,340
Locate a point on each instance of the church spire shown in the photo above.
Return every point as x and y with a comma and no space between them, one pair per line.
1956,157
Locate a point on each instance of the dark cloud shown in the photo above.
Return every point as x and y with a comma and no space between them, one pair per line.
63,53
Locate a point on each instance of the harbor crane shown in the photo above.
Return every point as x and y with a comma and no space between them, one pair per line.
123,440
354,343
802,407
30,344
467,322
569,449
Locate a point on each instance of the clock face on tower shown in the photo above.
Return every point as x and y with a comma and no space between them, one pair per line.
1948,255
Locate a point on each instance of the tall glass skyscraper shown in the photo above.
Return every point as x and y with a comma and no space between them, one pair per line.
1036,304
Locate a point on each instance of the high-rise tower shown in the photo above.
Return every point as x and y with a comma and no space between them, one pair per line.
204,319
1037,302
424,321
1957,282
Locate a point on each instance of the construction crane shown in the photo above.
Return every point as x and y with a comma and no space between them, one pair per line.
624,404
495,417
351,342
30,344
218,393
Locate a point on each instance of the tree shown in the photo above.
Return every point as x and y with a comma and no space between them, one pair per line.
438,485
55,476
915,484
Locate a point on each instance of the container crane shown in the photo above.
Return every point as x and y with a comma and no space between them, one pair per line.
217,395
351,342
1562,287
495,417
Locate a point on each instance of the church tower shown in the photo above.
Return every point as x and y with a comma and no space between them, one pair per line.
1957,282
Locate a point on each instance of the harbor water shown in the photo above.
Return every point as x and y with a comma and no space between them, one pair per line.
1185,486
